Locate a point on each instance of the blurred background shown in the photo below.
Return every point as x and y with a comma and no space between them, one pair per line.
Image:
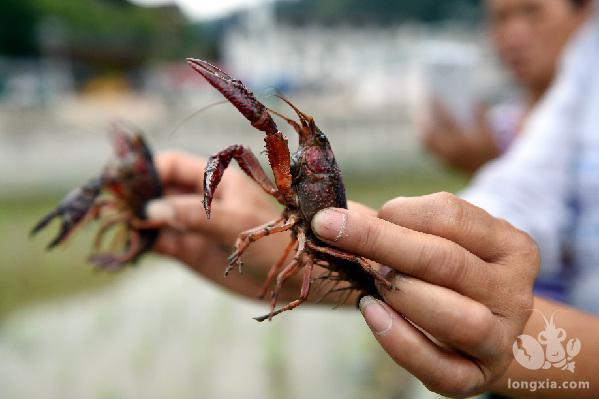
68,68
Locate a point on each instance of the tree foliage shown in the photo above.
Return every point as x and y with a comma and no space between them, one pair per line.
98,25
17,21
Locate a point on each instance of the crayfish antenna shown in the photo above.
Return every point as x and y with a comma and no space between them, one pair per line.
306,128
293,123
304,118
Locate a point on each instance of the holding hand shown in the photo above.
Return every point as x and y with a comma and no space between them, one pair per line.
204,244
463,286
466,149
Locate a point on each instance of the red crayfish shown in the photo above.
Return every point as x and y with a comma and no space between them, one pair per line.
304,183
118,196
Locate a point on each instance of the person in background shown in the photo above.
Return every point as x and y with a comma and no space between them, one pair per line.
529,37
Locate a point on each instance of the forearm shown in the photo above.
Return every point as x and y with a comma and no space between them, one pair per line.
549,383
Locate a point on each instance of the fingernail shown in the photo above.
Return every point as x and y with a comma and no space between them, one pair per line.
160,210
377,317
329,224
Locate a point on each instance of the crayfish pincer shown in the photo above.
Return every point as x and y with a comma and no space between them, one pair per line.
304,183
118,197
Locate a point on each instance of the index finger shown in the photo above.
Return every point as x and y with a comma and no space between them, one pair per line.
424,256
446,215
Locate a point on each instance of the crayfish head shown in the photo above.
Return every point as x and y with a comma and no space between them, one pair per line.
131,176
310,135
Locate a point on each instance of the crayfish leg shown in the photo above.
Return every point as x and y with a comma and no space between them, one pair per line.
288,271
246,238
378,276
104,229
304,291
112,262
275,268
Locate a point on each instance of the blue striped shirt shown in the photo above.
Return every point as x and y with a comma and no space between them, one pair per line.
547,183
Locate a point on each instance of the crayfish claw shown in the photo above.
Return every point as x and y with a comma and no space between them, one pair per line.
237,94
234,261
207,204
62,234
71,210
43,222
61,237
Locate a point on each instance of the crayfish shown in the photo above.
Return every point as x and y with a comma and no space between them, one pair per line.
304,183
118,196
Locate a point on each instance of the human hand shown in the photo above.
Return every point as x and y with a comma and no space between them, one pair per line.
204,244
466,149
463,286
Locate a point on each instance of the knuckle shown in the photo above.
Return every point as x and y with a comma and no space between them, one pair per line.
369,239
527,249
443,262
530,249
445,198
477,325
458,384
428,260
185,213
389,209
451,209
522,303
165,161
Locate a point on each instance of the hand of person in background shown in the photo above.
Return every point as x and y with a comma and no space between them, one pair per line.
466,149
463,286
204,244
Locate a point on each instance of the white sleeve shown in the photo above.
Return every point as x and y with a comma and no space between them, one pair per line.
530,186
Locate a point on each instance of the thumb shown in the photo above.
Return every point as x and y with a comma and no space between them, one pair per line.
186,213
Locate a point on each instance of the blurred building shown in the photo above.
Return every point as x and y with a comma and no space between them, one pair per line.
378,65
